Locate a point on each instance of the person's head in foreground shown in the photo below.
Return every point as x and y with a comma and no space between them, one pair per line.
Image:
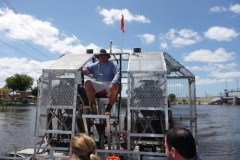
82,147
180,144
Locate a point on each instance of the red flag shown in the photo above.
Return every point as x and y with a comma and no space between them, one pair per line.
122,24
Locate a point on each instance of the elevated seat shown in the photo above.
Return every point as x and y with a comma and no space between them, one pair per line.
101,121
101,98
101,94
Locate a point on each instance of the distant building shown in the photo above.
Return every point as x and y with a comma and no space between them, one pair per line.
24,94
4,95
5,92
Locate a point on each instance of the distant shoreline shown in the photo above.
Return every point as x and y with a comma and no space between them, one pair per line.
203,101
21,105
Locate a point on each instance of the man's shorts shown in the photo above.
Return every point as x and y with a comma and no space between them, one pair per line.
100,86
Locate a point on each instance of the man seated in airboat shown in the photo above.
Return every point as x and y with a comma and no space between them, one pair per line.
107,78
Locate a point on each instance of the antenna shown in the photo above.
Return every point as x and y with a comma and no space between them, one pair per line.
110,46
237,84
111,51
226,84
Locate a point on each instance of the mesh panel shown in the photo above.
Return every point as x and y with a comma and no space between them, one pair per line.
146,62
57,90
182,103
181,93
147,90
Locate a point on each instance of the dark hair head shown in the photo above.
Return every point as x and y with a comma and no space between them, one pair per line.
182,140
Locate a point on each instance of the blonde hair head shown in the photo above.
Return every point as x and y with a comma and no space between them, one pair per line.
83,146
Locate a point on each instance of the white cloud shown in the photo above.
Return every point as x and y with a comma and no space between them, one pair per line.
200,81
213,67
10,66
235,8
164,45
27,27
220,55
147,38
231,74
221,33
218,9
205,81
180,38
114,15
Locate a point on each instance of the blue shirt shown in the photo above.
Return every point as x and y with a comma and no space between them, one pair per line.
198,158
105,72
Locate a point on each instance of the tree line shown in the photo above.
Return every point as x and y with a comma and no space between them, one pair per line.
21,82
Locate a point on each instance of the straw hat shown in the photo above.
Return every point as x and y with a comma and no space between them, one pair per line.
102,52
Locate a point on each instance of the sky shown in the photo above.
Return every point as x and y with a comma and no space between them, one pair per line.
202,35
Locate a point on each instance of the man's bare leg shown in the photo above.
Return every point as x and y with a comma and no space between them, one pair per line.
90,92
113,93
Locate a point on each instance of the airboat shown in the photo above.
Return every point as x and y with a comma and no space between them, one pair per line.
157,93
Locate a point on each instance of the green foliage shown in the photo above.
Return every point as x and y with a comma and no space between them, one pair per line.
4,95
19,82
184,101
124,102
35,91
172,97
3,109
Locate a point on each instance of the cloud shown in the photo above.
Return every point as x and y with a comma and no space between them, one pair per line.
43,33
147,38
200,81
163,45
218,9
114,15
10,66
204,55
231,74
213,67
180,38
235,8
221,33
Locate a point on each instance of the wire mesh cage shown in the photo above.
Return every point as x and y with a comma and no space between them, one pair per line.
182,95
57,90
56,107
147,90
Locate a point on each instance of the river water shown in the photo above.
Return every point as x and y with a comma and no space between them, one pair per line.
218,130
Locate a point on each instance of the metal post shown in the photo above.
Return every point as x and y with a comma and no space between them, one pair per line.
110,46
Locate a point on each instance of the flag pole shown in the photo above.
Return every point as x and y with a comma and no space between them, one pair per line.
121,41
122,29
